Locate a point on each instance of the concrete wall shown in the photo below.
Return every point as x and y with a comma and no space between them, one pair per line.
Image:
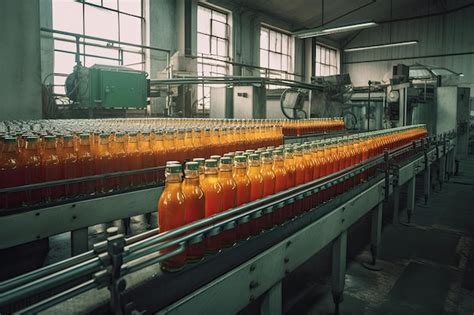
444,40
20,79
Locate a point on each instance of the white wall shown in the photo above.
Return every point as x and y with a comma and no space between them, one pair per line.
444,40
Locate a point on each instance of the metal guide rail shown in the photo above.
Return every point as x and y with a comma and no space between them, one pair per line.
77,214
123,269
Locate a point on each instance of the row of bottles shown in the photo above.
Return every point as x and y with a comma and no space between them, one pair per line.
219,184
314,125
66,153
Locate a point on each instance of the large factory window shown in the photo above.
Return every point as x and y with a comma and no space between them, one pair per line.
213,40
276,50
326,61
118,20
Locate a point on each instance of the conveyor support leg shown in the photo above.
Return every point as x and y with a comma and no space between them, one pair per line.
411,197
79,241
427,182
375,235
272,304
396,203
338,271
126,225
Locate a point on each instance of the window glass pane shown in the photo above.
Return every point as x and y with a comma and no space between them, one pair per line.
263,38
278,42
105,52
70,22
110,4
275,61
284,63
218,29
63,62
130,29
218,16
101,23
318,69
132,59
203,44
264,58
213,46
131,6
221,47
96,2
284,44
90,61
318,53
59,44
273,41
333,58
59,84
204,20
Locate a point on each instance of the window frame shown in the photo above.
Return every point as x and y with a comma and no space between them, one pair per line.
318,60
59,77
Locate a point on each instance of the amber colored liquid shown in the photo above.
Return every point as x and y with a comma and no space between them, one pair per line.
268,189
86,167
256,192
194,209
51,171
213,196
171,215
242,196
229,195
70,171
10,176
291,176
281,180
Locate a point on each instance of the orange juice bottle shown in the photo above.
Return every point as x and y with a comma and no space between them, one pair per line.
281,181
179,145
188,146
147,156
158,149
194,204
290,167
32,165
171,213
229,195
50,167
120,161
268,185
256,186
206,142
216,144
103,162
243,187
85,164
68,160
213,195
10,173
171,151
134,159
200,162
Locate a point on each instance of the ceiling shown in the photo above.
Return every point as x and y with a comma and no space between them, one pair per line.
302,14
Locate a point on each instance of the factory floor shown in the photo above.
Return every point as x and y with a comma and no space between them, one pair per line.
427,268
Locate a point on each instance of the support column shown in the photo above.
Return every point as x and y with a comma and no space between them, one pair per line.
375,236
272,304
396,203
411,197
338,271
427,181
79,241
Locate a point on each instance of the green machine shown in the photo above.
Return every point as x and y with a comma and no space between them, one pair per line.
107,87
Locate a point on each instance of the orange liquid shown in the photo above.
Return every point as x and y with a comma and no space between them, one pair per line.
194,209
229,195
171,215
268,189
242,196
213,196
256,192
281,180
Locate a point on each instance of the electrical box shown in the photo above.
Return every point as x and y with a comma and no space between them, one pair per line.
250,102
108,86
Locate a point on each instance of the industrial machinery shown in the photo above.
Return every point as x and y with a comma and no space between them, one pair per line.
119,273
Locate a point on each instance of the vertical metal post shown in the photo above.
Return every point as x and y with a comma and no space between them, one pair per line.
79,241
375,236
338,271
272,304
411,197
396,203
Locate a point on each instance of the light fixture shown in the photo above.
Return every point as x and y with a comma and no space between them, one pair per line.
461,74
324,30
394,44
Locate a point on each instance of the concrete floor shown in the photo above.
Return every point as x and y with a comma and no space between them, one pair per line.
427,268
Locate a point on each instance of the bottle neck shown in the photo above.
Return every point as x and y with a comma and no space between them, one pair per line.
173,179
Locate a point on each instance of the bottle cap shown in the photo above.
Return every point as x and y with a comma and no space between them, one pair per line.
173,169
226,160
200,161
254,157
240,159
192,166
211,163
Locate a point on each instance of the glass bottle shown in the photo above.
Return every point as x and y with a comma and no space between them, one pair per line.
229,195
148,158
213,196
242,182
134,159
171,213
256,187
10,174
50,167
281,181
85,164
120,161
194,206
268,185
68,160
32,173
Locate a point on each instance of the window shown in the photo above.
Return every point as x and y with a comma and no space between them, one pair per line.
118,20
326,61
276,49
213,40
